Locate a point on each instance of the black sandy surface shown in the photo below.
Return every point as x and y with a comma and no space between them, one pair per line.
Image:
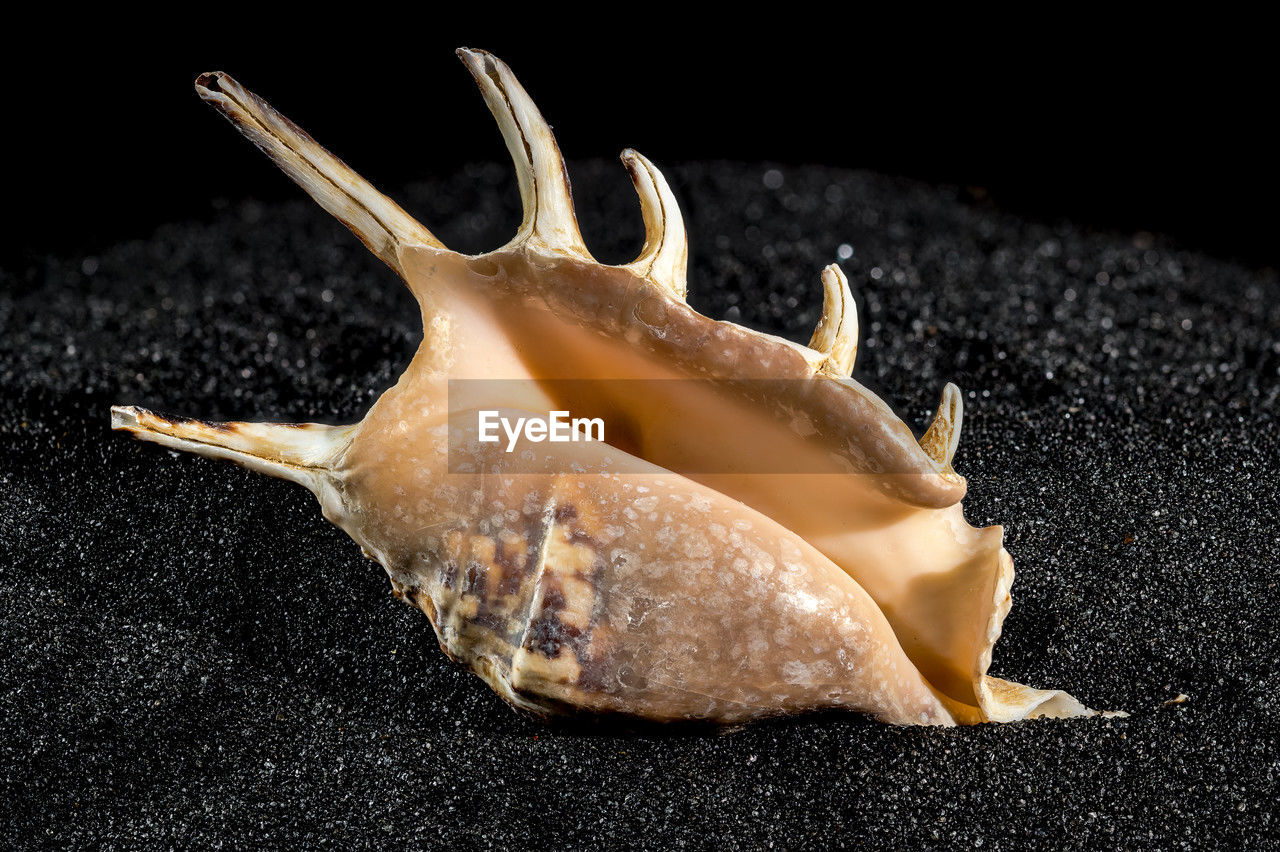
192,655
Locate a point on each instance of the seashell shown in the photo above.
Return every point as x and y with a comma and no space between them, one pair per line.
662,573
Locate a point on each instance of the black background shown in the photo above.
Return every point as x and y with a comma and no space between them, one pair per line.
1114,124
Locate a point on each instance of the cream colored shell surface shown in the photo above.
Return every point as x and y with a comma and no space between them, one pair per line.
654,576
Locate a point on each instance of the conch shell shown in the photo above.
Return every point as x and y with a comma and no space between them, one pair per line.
663,573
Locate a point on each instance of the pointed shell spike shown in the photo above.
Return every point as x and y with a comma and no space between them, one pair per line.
943,436
664,259
837,333
544,183
300,452
378,221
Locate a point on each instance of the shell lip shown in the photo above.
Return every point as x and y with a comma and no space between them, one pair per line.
902,467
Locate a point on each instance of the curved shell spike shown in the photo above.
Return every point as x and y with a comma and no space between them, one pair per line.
836,335
665,256
544,183
943,436
378,221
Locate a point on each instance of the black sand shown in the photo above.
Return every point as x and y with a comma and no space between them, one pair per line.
193,656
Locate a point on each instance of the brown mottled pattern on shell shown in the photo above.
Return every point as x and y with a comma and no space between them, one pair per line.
468,555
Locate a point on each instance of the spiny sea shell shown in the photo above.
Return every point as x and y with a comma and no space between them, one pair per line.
757,535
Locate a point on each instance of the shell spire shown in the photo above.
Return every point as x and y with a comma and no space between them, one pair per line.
549,220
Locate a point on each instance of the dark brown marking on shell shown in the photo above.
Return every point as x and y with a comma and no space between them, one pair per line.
547,634
473,583
596,666
512,568
178,419
581,536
